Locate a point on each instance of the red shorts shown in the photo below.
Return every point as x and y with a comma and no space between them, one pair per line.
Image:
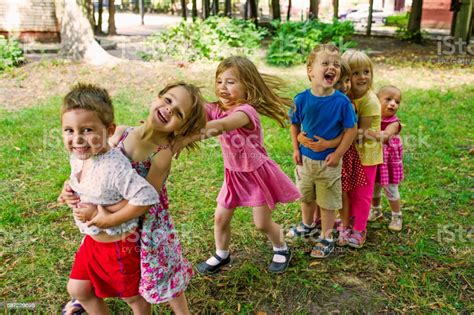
113,268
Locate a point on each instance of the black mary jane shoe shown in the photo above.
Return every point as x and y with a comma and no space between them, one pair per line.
276,267
206,269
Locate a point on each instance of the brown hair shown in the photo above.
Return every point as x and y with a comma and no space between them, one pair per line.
317,49
345,70
261,90
357,59
92,98
197,118
387,87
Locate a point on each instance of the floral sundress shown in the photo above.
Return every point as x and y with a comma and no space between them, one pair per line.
165,273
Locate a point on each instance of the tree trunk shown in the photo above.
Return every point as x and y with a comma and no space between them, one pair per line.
463,28
253,11
414,23
206,9
288,13
90,12
228,8
77,38
369,18
313,9
184,14
335,4
215,7
194,12
99,20
112,28
276,13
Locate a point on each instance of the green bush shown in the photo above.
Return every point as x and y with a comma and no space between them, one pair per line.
293,41
399,20
402,33
213,39
11,55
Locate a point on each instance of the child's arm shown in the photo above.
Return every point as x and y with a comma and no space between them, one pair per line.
114,140
385,135
294,131
320,145
215,128
347,138
160,167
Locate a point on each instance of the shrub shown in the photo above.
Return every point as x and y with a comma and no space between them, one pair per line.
293,41
214,39
399,20
402,33
11,55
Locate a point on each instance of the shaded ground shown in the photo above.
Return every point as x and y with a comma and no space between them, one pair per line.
404,64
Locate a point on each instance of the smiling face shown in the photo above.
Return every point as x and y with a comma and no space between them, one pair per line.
324,71
171,110
344,84
390,98
84,134
228,87
361,80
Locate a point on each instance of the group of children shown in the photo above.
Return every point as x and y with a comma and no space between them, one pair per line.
117,183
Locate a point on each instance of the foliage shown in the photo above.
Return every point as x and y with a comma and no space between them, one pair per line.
400,20
402,33
11,55
213,39
293,41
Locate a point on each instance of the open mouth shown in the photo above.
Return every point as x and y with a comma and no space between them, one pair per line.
80,149
162,116
329,78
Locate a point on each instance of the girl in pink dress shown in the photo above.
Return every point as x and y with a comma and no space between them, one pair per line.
390,173
251,178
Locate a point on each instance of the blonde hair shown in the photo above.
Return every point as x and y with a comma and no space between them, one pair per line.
345,70
387,87
197,117
357,59
261,90
317,49
92,98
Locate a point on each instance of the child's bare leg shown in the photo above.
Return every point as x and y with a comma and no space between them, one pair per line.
138,305
222,218
82,291
345,211
317,214
308,210
395,205
180,305
328,217
262,217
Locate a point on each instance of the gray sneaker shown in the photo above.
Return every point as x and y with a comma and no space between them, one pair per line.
375,214
396,223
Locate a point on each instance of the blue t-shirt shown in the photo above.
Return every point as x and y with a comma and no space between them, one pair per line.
324,116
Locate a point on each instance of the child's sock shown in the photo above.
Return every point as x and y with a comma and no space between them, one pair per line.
279,258
299,228
397,213
219,252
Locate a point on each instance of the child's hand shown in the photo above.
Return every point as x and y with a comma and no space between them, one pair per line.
177,145
332,160
318,146
297,157
102,219
68,196
84,211
303,139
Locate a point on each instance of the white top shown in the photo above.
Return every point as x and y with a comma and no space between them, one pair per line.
110,179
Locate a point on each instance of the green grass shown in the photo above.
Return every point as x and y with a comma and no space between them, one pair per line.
427,268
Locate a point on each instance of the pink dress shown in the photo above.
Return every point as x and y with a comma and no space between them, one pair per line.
251,178
391,171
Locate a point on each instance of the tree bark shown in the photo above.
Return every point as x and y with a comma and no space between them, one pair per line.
253,11
90,12
183,9
77,38
228,8
206,9
463,28
313,9
288,12
99,20
414,23
369,18
112,28
194,11
335,5
276,13
215,7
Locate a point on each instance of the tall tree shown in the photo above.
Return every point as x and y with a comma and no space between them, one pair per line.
288,12
90,12
194,11
313,9
112,29
228,8
369,18
414,23
77,38
253,10
99,20
276,13
215,7
463,26
335,5
184,14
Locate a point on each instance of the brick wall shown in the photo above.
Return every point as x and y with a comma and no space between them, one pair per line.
29,20
436,14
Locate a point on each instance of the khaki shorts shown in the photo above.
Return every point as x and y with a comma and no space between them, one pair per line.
320,183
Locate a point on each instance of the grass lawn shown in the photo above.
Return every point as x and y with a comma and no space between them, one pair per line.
427,268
